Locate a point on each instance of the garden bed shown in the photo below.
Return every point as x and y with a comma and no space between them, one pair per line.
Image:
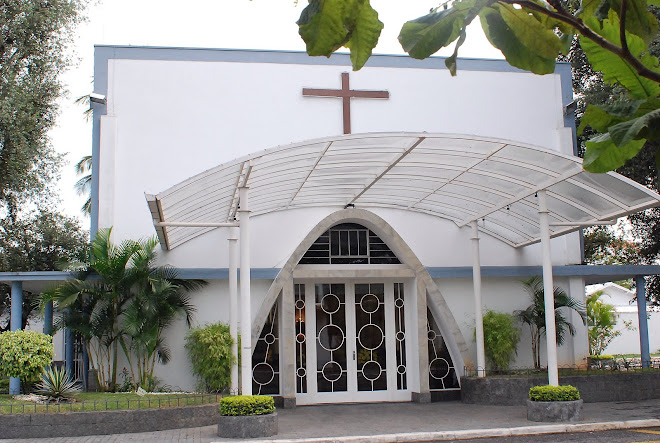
600,386
127,414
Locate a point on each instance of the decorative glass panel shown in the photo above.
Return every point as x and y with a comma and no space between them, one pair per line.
370,339
331,368
301,339
400,335
349,243
266,358
442,374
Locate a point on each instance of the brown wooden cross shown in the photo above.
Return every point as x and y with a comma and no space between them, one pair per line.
345,93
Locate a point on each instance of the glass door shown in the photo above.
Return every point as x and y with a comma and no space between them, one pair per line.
350,342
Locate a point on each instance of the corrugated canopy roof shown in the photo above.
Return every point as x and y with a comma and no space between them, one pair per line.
457,177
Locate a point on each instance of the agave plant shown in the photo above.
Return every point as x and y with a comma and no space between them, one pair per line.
57,384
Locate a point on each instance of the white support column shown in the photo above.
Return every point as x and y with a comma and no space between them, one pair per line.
246,313
548,291
478,307
233,304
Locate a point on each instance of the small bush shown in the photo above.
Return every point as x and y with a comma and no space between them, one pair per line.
247,405
24,354
554,393
209,349
501,337
57,384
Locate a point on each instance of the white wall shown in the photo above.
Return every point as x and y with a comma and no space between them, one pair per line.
169,120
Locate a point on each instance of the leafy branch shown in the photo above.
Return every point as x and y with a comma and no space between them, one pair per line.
615,36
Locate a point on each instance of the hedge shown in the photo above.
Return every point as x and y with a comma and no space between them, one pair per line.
247,405
554,393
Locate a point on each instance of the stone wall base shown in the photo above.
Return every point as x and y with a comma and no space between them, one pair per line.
75,424
248,426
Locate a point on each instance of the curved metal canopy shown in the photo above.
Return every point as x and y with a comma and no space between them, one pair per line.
457,177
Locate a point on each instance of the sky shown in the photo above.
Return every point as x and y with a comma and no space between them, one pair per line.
231,24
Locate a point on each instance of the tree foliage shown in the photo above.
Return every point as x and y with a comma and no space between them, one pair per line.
601,321
534,315
615,35
33,40
38,241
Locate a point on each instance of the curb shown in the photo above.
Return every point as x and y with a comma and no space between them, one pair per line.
467,434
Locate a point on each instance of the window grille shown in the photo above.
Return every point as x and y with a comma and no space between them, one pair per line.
349,243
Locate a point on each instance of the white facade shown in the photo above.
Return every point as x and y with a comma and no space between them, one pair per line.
173,113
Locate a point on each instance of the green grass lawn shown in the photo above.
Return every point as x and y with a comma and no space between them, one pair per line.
103,401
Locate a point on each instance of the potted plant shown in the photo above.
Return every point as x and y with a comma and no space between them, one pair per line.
247,416
554,403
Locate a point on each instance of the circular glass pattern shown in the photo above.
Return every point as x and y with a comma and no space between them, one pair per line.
439,368
398,303
330,303
370,337
369,303
301,372
263,373
300,304
331,371
300,338
371,370
401,369
331,337
400,336
432,335
269,338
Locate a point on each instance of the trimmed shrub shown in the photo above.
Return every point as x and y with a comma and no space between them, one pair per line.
247,405
24,354
554,393
209,349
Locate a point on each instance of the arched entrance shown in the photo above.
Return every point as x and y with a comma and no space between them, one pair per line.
357,319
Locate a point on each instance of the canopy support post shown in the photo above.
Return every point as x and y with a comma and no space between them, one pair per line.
233,305
548,292
478,307
246,314
640,283
16,324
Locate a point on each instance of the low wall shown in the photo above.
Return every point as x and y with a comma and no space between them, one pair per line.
618,386
73,424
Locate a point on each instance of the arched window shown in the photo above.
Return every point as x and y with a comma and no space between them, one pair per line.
349,243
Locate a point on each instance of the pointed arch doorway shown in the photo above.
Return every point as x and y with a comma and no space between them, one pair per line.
352,317
359,320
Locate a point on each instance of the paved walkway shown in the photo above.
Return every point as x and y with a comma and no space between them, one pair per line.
399,422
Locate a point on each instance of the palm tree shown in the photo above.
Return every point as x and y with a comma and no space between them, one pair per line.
534,315
104,282
160,297
119,298
84,185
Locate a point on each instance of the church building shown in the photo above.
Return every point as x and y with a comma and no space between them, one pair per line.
377,213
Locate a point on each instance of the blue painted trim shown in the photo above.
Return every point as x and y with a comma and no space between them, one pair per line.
591,273
223,273
640,282
103,53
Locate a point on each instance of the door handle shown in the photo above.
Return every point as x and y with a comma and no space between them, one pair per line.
353,355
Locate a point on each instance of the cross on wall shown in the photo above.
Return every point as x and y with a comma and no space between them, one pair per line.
345,93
